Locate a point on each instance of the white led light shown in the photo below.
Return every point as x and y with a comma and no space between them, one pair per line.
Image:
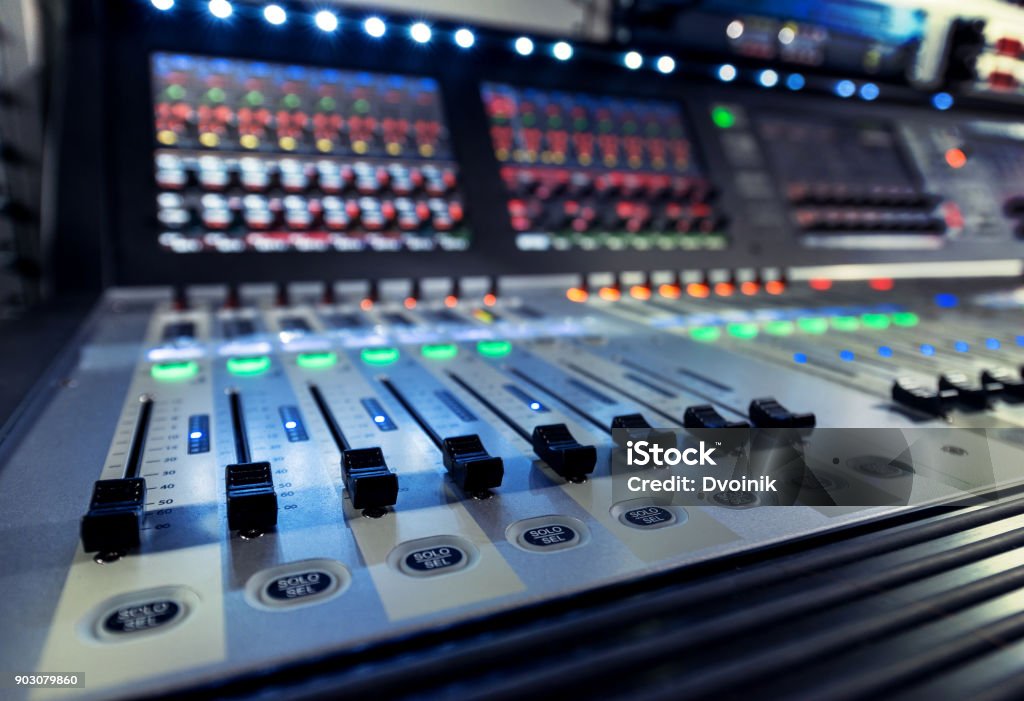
464,38
420,33
162,5
221,9
734,30
375,27
786,36
562,51
275,14
524,46
326,21
632,60
727,72
666,64
768,78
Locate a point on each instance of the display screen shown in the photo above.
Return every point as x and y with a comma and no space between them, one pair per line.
253,156
593,172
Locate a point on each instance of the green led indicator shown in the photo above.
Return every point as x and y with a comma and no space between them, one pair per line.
743,330
327,103
247,365
362,105
779,327
174,372
705,334
254,97
494,349
439,351
875,320
813,325
723,117
216,94
845,323
905,319
379,356
175,92
291,101
316,361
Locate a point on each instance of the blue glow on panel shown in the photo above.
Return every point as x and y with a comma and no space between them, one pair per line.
992,343
845,88
927,349
869,91
946,300
846,355
961,346
942,101
885,351
795,81
799,357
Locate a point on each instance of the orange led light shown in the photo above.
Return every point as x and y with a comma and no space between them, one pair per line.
410,303
576,294
366,305
724,289
451,301
820,284
882,284
750,288
609,294
956,158
698,289
670,291
640,292
774,287
490,299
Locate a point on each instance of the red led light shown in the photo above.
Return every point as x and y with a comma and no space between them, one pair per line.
820,284
775,287
577,294
670,291
698,289
640,292
451,301
750,288
956,158
490,299
410,302
366,305
609,294
724,289
882,284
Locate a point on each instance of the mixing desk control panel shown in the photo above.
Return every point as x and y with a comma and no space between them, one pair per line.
289,473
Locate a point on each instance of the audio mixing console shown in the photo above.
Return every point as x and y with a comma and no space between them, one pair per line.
537,262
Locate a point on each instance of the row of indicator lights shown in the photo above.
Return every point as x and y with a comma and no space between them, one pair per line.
811,325
244,366
926,349
450,301
699,290
422,33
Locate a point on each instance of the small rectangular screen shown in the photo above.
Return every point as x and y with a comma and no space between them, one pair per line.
255,156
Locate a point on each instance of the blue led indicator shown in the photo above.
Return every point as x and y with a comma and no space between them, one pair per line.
992,343
377,414
795,81
291,419
1019,340
946,300
961,346
942,101
198,434
869,91
522,396
846,355
845,88
885,351
927,349
799,357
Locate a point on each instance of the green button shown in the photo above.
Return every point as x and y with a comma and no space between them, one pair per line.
705,333
875,321
742,330
779,327
316,361
723,117
379,356
906,319
439,351
494,349
845,323
813,324
249,364
174,372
